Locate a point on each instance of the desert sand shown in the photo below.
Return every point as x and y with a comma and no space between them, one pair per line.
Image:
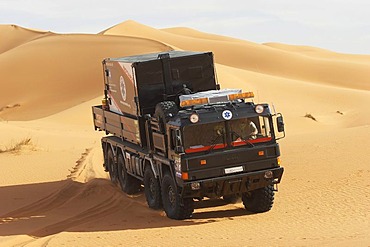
54,191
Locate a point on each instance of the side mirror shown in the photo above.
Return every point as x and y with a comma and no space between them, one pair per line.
179,147
280,123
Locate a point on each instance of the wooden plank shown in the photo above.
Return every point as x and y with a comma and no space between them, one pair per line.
98,116
130,129
116,124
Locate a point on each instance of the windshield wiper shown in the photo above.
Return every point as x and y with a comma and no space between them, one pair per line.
214,142
241,138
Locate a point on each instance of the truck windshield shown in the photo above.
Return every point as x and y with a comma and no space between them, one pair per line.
244,131
204,137
250,130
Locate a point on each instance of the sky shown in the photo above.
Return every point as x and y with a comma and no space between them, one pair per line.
337,25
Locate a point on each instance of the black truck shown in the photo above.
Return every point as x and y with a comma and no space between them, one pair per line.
171,129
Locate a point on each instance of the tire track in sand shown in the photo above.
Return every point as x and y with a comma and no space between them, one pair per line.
56,199
73,204
104,205
80,165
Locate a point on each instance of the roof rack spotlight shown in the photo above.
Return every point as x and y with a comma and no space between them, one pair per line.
215,98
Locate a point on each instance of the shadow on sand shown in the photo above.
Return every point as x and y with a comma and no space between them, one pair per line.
44,209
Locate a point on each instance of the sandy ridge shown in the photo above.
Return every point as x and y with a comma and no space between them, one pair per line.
16,36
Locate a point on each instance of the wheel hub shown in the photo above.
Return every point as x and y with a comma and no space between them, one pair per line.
171,196
151,186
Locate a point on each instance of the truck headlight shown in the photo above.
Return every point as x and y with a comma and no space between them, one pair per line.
259,109
195,186
268,174
194,118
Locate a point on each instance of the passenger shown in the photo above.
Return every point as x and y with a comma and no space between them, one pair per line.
253,131
244,129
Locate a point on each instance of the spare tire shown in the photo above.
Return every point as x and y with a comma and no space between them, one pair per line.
164,111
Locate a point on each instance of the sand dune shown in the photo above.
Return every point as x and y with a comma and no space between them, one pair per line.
189,32
56,72
320,53
53,188
16,35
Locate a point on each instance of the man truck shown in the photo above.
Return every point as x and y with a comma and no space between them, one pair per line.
174,133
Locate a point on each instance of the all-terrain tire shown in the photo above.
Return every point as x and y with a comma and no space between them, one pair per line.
174,207
112,166
259,201
128,183
152,189
164,111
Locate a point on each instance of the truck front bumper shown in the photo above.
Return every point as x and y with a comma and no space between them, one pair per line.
232,184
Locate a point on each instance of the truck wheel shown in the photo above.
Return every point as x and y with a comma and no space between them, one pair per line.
152,189
128,183
231,199
112,166
259,201
163,111
174,208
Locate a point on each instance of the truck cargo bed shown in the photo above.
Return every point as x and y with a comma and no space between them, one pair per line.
125,127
